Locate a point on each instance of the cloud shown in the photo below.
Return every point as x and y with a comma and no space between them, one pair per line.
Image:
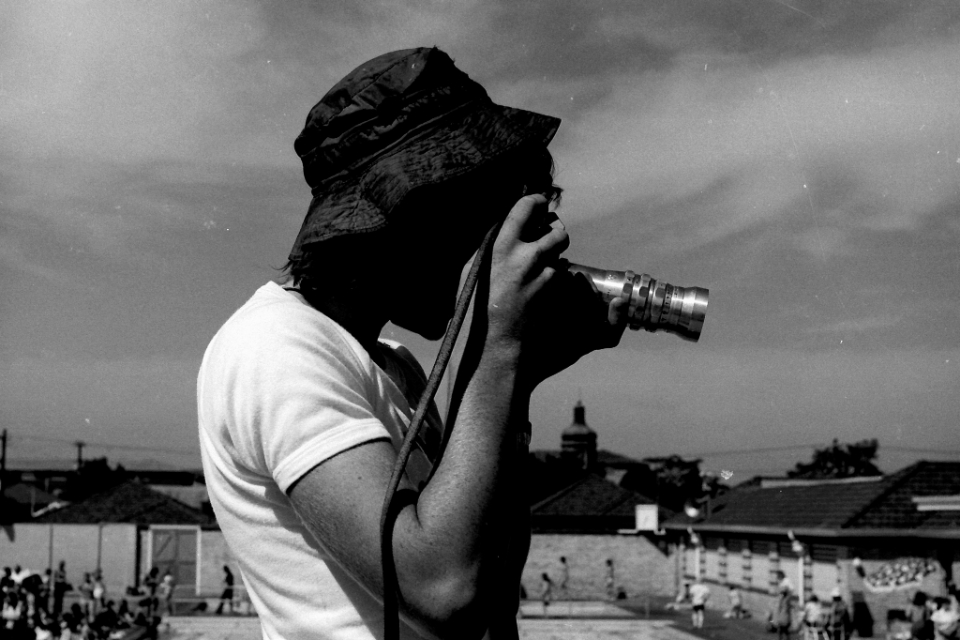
769,143
225,81
118,79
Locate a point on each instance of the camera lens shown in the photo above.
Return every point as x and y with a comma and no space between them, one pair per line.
653,305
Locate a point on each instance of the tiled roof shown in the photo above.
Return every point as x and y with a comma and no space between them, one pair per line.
882,503
590,503
896,508
130,503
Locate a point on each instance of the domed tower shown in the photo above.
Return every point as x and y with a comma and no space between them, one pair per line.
579,442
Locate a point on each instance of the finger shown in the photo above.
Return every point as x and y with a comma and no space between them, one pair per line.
542,279
617,312
617,321
520,216
552,244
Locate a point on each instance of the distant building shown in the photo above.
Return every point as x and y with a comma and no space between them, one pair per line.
579,512
879,539
123,532
578,443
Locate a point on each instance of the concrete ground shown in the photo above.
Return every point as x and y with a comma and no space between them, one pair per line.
563,621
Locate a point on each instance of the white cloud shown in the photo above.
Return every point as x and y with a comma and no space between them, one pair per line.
120,79
776,138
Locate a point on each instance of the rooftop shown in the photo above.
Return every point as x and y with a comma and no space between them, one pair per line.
841,506
128,503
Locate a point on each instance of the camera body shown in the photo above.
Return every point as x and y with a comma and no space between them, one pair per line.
652,305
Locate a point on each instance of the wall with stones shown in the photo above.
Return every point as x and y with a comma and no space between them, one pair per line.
642,565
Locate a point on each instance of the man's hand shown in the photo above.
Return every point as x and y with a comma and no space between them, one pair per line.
551,316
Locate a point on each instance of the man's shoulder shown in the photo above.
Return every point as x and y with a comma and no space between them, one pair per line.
269,305
273,317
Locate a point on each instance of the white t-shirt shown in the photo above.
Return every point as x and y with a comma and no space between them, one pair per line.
699,593
282,388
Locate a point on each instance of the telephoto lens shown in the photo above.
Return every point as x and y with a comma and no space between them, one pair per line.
653,305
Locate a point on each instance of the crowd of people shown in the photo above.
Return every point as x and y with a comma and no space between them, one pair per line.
34,606
900,573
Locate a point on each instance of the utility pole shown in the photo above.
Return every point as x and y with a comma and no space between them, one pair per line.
80,445
3,461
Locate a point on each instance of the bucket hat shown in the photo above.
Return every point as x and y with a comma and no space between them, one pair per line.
402,120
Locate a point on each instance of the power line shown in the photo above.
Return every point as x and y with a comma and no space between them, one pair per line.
819,445
105,445
732,452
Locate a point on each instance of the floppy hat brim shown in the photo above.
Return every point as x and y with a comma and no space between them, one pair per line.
468,140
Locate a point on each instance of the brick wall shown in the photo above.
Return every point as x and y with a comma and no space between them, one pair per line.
642,565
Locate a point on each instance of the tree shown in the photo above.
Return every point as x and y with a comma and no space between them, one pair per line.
840,461
673,482
93,476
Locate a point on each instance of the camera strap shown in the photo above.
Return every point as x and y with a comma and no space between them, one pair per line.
392,504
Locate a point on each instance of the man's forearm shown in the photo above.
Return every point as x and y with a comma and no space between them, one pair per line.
467,501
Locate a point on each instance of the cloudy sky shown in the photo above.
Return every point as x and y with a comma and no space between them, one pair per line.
799,158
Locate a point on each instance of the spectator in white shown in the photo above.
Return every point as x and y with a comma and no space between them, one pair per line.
86,596
564,573
812,618
946,620
12,613
166,589
46,627
99,592
20,574
783,582
699,594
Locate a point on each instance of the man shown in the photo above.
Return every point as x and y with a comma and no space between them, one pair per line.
784,614
167,591
86,597
945,619
302,407
564,574
610,581
226,597
699,594
736,602
60,588
838,621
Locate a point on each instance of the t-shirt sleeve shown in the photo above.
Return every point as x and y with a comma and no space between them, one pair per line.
299,394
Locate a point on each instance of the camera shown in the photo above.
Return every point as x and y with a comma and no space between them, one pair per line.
652,305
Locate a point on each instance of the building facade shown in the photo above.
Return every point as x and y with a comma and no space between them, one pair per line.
878,539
